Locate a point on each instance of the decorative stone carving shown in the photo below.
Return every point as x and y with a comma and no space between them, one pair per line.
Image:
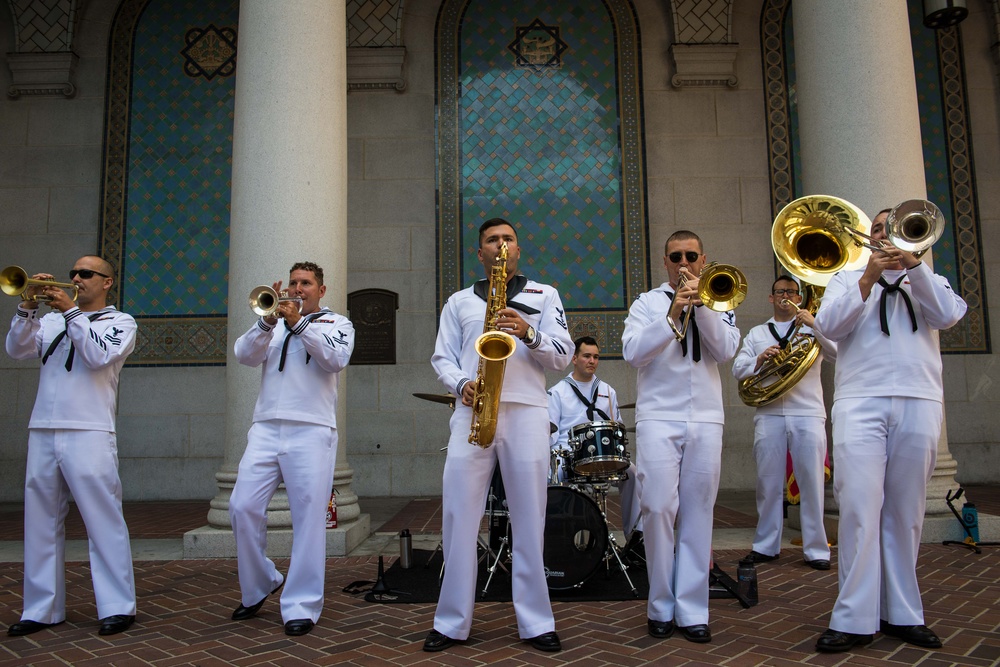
704,65
375,68
42,74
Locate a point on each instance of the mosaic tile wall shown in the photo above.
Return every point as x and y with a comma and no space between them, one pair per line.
946,145
539,123
168,161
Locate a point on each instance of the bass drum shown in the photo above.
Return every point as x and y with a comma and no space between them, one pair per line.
576,538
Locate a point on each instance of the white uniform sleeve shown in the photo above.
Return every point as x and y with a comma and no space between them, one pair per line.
96,350
552,347
251,347
841,307
719,336
555,415
646,334
24,340
330,349
447,358
941,307
616,413
746,358
828,346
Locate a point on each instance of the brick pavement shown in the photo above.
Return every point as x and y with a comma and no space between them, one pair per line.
184,609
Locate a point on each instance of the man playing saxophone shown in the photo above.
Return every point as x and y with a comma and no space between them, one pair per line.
792,423
533,315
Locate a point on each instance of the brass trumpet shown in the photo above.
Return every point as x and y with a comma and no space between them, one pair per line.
14,281
264,300
721,287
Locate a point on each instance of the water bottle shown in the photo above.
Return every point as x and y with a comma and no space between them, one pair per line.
970,517
746,580
405,549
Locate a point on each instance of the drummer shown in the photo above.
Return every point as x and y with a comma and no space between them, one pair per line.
582,397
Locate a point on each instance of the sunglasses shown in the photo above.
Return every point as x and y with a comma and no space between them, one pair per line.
786,292
86,274
691,256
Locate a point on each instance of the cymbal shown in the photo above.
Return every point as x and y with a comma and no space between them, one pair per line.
446,399
626,406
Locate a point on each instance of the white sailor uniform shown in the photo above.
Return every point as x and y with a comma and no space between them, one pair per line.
567,410
293,440
73,449
679,419
520,447
794,423
887,416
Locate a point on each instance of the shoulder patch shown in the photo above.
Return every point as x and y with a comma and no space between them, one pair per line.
530,290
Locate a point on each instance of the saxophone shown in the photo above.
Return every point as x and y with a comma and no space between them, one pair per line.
493,347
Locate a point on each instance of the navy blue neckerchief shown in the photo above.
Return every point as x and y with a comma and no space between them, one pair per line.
514,287
72,350
592,403
894,288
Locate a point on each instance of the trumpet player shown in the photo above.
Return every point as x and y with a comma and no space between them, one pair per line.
293,439
887,415
534,316
679,420
794,423
72,446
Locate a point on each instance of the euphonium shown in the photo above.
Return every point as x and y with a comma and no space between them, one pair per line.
493,347
781,372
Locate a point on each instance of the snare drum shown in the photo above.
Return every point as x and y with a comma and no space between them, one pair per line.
576,538
599,449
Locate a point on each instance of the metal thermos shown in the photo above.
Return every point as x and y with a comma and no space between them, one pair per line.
746,580
405,549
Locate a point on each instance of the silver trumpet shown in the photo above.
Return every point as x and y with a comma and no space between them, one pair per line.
264,300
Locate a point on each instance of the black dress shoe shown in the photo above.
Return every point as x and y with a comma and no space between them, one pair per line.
758,557
918,635
437,642
819,564
242,613
22,628
832,641
699,634
299,626
660,629
112,625
546,642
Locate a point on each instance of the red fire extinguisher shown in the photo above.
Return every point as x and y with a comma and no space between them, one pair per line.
331,510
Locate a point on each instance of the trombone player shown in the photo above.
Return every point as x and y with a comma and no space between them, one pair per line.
793,422
679,420
72,446
887,415
293,439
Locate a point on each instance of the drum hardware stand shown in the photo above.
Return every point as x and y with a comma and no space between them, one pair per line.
601,491
970,541
492,513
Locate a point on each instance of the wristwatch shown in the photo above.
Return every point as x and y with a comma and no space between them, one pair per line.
529,337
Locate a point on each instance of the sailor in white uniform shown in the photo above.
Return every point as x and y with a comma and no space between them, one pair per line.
534,315
582,397
887,415
72,446
679,418
293,440
794,423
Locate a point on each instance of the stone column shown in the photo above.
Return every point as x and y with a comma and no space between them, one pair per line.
289,204
860,126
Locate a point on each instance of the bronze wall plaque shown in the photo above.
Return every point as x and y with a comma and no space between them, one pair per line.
373,314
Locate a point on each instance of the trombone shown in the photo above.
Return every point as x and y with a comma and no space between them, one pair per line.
14,281
721,287
264,300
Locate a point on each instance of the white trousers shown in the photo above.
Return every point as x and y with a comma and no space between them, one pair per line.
84,464
302,455
679,464
521,447
884,450
629,490
775,436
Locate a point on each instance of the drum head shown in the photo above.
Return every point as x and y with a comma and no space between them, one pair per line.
576,538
